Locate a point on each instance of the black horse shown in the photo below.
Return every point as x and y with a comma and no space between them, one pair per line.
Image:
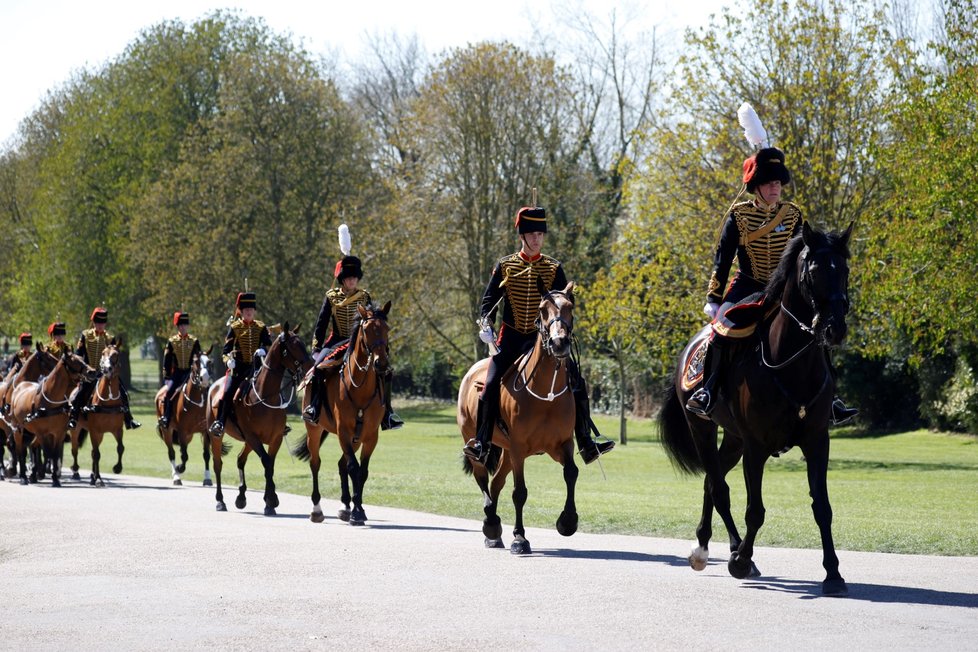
776,393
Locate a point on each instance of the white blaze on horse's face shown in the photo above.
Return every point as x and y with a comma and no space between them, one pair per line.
556,311
105,364
205,374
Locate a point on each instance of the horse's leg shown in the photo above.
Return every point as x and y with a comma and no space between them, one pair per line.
740,564
207,458
268,461
729,454
705,435
359,516
314,438
492,526
184,441
57,458
817,459
119,448
520,545
96,477
344,514
36,462
241,501
216,445
353,475
567,521
23,443
75,445
172,456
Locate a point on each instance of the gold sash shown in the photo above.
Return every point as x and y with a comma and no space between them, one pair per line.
767,228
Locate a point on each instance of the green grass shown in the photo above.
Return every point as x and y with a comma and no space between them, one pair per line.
914,492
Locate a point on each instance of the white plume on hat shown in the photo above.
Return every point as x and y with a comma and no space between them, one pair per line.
346,244
753,130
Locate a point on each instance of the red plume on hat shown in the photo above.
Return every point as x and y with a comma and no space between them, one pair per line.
26,339
100,315
57,328
180,317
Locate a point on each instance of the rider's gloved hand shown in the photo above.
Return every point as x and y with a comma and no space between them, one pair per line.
231,363
261,353
710,309
485,331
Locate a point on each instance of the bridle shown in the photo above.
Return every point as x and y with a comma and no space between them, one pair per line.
546,343
294,370
370,348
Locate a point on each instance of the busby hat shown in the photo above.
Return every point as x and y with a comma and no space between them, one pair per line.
765,166
530,219
100,315
180,317
26,339
57,328
246,300
348,266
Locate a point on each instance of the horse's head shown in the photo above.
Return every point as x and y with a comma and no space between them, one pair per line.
77,369
109,364
823,277
200,370
373,331
290,352
555,320
40,363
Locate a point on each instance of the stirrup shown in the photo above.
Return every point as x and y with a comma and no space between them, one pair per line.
163,422
217,428
310,414
595,451
701,402
840,413
475,451
391,421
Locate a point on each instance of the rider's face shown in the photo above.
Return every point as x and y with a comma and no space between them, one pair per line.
183,328
248,314
770,192
350,284
533,242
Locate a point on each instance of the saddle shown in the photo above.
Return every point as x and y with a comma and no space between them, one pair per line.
740,321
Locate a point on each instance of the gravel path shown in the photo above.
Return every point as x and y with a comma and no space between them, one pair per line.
141,565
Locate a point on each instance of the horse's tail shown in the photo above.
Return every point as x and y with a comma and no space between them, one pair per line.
492,462
675,435
225,448
82,436
301,450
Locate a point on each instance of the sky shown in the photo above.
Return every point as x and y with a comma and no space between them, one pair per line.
42,43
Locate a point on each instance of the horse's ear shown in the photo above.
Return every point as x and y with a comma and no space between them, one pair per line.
208,353
847,233
569,289
39,346
295,331
807,233
387,308
285,327
362,311
113,342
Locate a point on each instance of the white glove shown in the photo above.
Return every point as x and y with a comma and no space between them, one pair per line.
231,363
710,309
261,353
485,331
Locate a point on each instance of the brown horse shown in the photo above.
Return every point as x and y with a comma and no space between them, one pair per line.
105,413
536,409
775,394
257,415
189,417
49,399
40,363
353,408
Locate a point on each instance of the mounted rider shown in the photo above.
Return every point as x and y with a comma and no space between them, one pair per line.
246,340
756,232
19,357
177,357
58,346
90,345
515,281
339,314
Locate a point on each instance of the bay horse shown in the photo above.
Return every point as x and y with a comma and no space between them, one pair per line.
352,409
189,417
536,406
776,393
49,397
105,413
39,363
257,415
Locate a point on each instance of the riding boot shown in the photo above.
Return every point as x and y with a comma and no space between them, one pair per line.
311,413
131,424
486,416
589,448
165,417
703,400
390,421
75,411
217,428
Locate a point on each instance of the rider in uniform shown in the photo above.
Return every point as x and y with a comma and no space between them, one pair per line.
756,232
514,282
339,314
90,346
18,358
177,355
246,340
58,346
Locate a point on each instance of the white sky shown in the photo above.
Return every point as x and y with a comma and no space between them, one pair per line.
41,43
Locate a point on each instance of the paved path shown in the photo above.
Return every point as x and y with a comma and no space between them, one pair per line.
140,565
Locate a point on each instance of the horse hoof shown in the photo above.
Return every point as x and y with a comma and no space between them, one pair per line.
76,476
494,543
356,521
270,511
177,482
344,515
117,469
835,588
240,502
208,482
317,517
221,507
55,482
24,481
492,527
739,567
520,546
91,480
273,501
567,524
698,558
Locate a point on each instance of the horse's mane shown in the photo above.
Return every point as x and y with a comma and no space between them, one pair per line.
789,258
